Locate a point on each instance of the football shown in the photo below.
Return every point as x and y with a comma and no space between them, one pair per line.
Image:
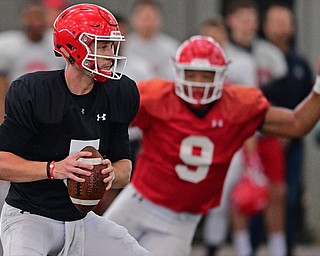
86,195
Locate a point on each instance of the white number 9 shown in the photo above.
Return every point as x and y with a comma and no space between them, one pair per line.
202,160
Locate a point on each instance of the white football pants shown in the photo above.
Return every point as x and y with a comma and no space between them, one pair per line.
216,223
158,229
30,234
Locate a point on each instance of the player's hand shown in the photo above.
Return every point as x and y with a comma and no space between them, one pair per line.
109,171
70,167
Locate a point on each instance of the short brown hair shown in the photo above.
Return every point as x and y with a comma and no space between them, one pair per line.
235,5
214,22
156,5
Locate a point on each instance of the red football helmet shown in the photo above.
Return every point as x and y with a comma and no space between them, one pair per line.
251,194
80,25
204,54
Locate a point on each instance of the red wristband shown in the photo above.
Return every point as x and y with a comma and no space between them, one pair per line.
50,168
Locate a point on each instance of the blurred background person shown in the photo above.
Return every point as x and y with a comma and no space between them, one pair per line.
148,41
242,18
241,68
53,8
26,50
279,28
215,28
137,67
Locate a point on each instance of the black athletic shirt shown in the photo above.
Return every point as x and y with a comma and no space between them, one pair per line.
42,117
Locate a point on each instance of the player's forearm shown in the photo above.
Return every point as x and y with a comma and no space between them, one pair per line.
296,123
122,170
307,114
16,169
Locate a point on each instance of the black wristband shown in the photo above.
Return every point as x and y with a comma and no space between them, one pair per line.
48,170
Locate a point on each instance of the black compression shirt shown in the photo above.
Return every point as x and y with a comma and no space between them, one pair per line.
42,117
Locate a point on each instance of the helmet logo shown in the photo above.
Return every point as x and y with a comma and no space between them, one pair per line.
115,33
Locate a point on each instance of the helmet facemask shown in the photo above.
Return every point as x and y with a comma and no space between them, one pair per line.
212,90
200,53
90,63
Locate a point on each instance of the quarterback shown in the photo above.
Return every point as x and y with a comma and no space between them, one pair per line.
191,129
50,117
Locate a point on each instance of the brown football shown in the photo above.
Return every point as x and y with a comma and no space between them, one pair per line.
86,195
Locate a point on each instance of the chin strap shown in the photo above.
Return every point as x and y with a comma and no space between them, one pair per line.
69,57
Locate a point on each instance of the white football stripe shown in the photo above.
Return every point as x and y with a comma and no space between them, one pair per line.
84,202
93,161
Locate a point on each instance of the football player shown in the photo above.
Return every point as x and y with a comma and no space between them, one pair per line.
191,128
50,116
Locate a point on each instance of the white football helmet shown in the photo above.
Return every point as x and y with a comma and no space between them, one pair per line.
204,54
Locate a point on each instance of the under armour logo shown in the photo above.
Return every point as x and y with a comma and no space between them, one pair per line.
217,123
102,117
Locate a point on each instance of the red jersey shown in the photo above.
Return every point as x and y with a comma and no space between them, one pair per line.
184,158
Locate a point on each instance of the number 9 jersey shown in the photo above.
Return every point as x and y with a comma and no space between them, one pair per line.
184,157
